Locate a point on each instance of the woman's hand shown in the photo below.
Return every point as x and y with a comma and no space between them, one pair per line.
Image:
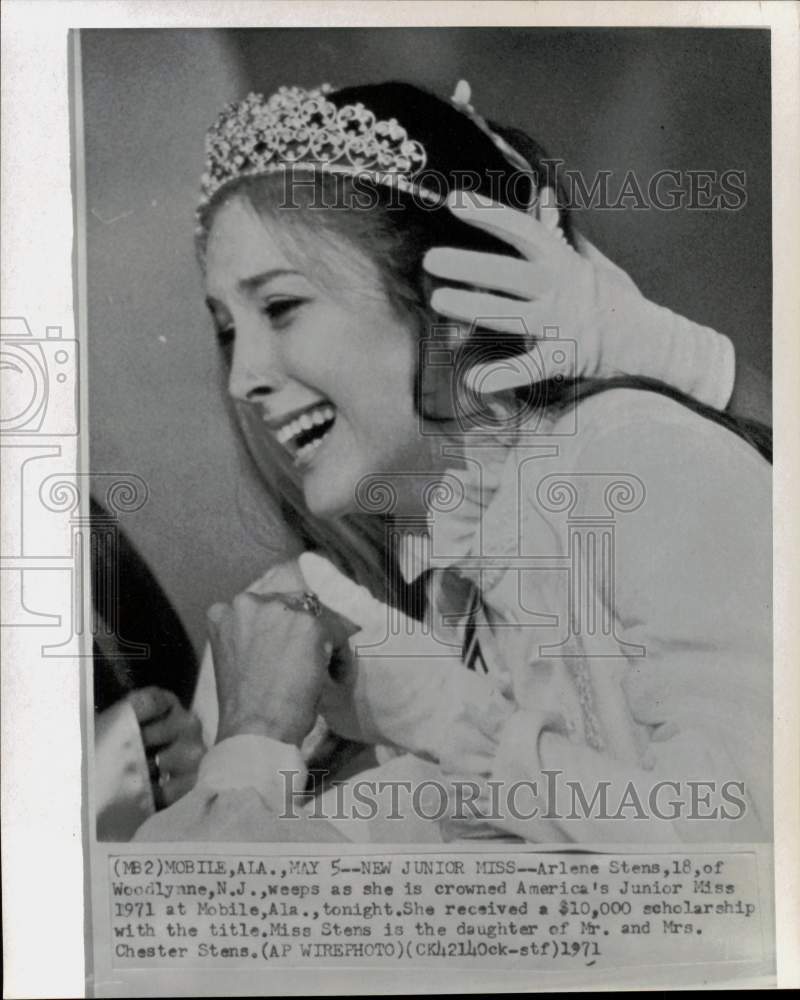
269,661
550,286
588,313
172,740
403,687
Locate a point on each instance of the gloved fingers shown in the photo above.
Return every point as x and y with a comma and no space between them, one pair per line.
341,595
474,760
484,310
505,373
519,370
489,716
525,233
472,764
484,270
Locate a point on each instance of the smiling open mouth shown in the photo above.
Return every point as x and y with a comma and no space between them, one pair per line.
306,432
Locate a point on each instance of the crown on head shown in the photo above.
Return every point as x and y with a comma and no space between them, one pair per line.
298,128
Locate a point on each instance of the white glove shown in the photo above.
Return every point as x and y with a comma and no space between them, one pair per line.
585,297
404,689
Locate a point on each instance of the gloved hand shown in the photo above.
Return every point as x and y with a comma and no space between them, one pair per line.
589,301
401,687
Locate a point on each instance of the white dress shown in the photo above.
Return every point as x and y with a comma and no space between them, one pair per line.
615,567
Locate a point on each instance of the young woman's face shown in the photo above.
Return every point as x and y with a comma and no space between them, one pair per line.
330,371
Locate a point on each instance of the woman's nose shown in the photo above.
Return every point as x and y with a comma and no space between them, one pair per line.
254,374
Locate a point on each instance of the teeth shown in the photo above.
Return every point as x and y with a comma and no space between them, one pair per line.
305,451
288,431
313,418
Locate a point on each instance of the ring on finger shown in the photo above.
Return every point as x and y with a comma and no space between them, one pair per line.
306,601
163,775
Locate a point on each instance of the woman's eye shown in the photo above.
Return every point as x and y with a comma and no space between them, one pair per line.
279,310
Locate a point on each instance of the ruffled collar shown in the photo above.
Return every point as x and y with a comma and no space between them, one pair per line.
463,521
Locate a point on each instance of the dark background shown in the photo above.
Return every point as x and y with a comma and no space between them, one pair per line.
612,100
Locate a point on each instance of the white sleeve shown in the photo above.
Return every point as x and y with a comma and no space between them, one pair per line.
639,337
122,779
274,769
249,788
692,586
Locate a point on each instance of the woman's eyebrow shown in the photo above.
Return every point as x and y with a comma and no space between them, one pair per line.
257,280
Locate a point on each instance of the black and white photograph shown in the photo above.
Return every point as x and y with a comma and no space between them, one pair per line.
420,546
450,400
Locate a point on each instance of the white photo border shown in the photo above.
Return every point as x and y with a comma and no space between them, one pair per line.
45,923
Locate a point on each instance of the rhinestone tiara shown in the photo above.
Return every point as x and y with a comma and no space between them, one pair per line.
301,129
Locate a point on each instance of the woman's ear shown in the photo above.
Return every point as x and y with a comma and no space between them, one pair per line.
548,208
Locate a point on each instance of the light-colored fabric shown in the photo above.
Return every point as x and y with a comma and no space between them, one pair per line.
249,788
692,594
681,689
122,779
642,338
587,317
273,768
680,686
